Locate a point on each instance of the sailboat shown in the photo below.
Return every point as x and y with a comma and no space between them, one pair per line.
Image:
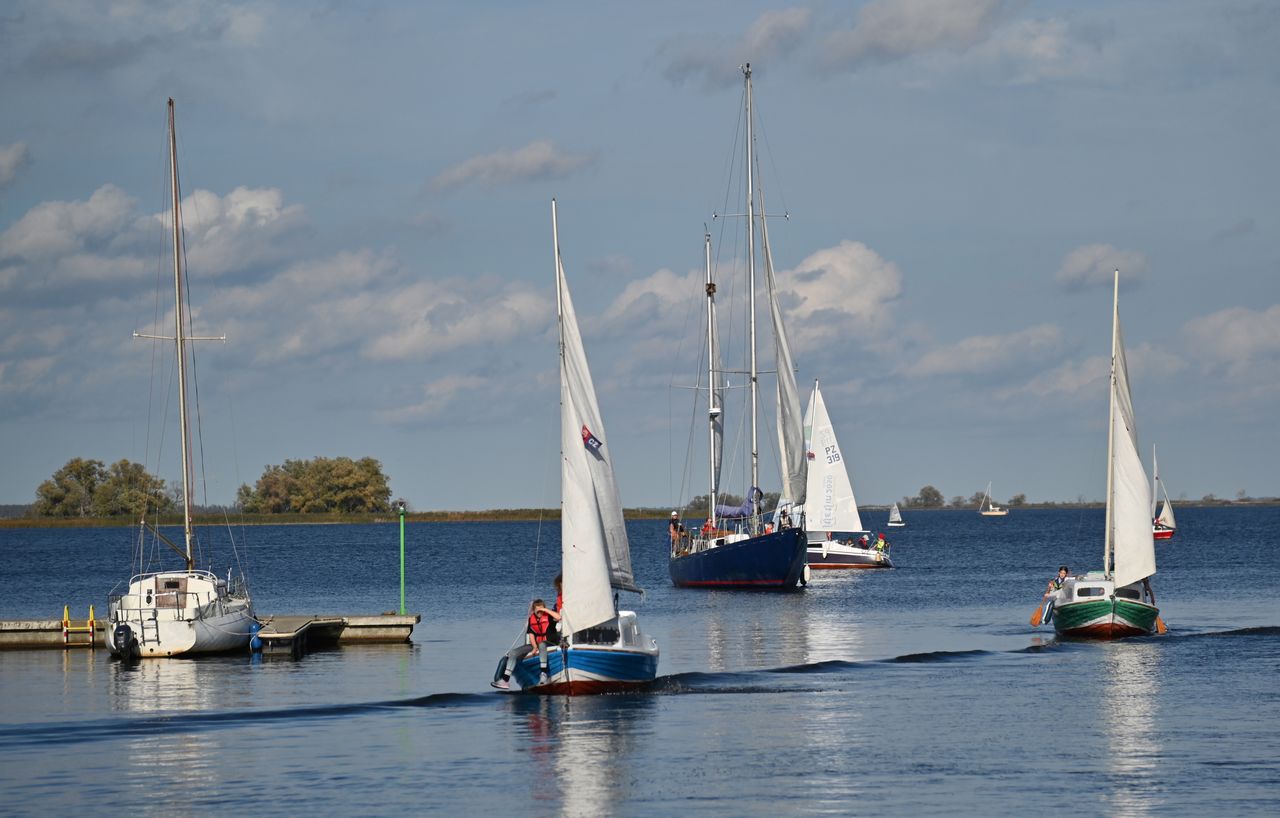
602,648
1116,601
1163,525
895,517
831,520
988,508
187,611
736,547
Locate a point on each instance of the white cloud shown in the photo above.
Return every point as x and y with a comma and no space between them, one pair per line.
13,158
437,396
1028,51
1094,265
772,36
537,160
837,291
1070,379
1238,338
233,232
888,30
982,354
53,229
655,301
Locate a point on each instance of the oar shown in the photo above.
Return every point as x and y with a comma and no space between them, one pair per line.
1035,617
1160,626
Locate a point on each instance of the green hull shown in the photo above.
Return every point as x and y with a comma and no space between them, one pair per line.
1105,618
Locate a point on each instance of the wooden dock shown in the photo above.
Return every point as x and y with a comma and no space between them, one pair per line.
279,633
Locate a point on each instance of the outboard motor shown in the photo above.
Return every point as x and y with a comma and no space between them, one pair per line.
123,643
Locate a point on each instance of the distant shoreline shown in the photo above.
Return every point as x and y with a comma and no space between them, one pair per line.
494,515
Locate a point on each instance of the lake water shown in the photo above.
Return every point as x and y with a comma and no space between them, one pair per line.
917,691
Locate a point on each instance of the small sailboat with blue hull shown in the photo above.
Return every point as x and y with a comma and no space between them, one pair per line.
601,648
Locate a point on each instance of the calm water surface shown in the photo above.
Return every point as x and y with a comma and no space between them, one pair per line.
917,691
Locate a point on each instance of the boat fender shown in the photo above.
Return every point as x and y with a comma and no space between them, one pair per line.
1046,615
804,575
255,641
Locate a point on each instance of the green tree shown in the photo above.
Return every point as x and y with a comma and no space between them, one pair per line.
323,485
929,497
1018,500
127,488
69,492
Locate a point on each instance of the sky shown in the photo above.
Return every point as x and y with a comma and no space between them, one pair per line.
367,197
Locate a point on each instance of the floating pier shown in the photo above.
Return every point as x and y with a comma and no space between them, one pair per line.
278,633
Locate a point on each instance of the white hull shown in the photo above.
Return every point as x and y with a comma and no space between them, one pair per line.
178,613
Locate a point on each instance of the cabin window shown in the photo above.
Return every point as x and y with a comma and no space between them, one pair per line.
596,636
1085,592
171,585
1128,593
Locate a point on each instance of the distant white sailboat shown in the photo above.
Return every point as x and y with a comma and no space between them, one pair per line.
173,613
1163,524
987,508
895,517
831,520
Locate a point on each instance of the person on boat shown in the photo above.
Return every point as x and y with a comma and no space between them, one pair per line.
1055,584
784,521
881,544
536,632
678,533
864,541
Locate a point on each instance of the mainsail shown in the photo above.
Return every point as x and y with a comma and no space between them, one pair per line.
895,516
593,541
1129,500
1165,517
829,504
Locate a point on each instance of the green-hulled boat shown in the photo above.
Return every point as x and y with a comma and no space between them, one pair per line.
1117,601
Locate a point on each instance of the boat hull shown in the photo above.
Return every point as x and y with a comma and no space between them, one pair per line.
1104,618
583,670
838,555
1162,533
770,561
178,613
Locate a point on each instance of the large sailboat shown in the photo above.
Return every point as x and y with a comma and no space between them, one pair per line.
1163,524
831,520
602,648
186,611
1116,601
988,508
737,547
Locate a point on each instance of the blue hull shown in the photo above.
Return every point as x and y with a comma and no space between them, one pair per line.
591,670
772,561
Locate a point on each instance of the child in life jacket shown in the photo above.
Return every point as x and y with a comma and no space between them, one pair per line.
540,626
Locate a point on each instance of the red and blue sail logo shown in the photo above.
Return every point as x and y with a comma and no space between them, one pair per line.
592,442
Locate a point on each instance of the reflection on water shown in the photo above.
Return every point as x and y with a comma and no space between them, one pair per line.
1129,704
581,751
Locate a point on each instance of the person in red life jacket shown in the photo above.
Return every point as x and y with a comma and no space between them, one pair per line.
539,627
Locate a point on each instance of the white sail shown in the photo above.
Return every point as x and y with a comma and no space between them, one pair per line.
1166,514
895,516
791,450
1165,517
593,542
829,503
1129,500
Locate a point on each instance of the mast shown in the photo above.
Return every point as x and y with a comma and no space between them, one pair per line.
1111,419
751,285
1155,480
713,411
555,244
179,340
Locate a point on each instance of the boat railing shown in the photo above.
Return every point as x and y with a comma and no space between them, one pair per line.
184,604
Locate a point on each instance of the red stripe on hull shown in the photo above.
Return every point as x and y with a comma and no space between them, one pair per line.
1107,630
1167,534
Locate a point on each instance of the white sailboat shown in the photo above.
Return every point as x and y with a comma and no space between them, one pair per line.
831,520
602,648
188,611
988,508
895,517
1163,524
1116,601
736,547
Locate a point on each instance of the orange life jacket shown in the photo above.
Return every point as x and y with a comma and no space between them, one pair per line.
539,625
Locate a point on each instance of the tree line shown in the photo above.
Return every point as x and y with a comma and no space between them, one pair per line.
89,488
930,497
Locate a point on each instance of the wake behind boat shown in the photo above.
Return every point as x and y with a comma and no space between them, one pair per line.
737,547
602,648
836,538
1116,601
175,613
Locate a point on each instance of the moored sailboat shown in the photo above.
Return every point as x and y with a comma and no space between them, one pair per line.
602,648
1116,601
831,519
988,508
736,547
188,611
1163,524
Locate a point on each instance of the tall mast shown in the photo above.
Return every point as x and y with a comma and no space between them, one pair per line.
713,411
751,282
1111,420
555,244
179,340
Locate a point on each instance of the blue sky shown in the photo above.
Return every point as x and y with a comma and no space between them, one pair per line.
368,221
